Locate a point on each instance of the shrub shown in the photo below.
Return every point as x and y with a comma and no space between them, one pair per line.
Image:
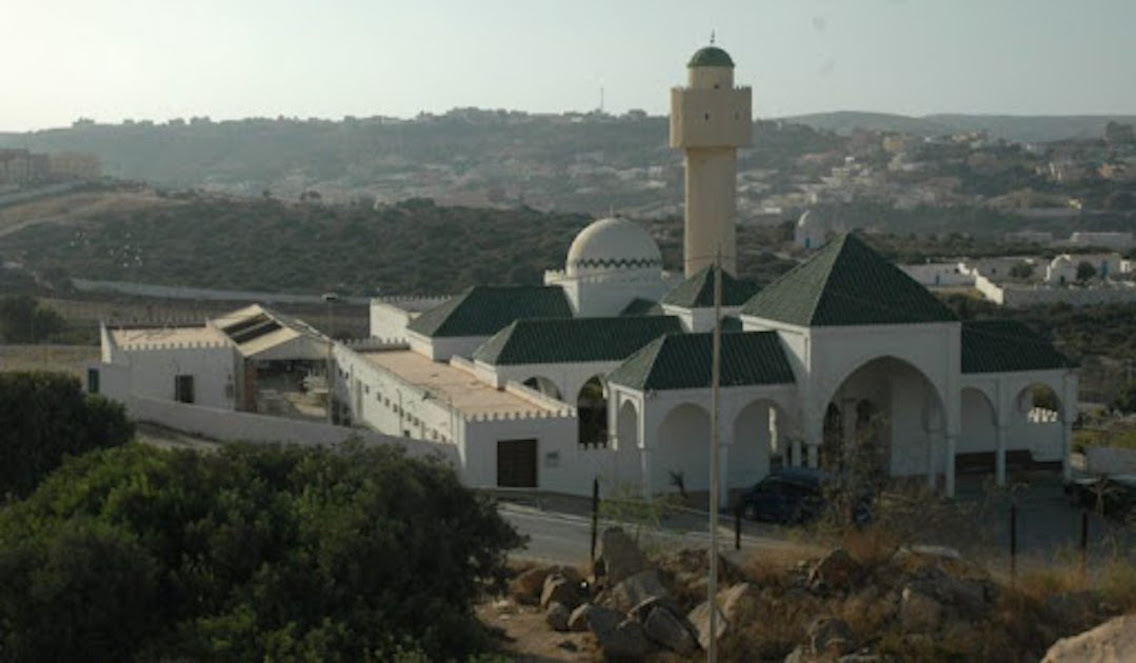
250,553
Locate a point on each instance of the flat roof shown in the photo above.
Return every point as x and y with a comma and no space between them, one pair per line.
467,394
136,337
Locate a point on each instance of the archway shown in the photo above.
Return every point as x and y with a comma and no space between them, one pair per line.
1037,428
978,438
682,450
627,459
543,385
758,443
591,412
880,421
1038,403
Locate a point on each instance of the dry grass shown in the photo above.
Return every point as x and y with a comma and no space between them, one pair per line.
60,358
73,207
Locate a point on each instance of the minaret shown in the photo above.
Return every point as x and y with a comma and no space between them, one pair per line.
710,120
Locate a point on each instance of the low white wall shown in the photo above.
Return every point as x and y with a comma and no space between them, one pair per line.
228,425
1109,460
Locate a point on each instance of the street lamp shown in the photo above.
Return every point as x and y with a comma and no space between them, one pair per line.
330,298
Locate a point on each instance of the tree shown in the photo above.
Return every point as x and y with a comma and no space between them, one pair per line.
46,416
1022,270
255,552
1085,271
23,320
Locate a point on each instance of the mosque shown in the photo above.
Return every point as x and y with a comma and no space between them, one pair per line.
604,370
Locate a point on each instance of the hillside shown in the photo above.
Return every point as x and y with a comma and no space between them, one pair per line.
1018,128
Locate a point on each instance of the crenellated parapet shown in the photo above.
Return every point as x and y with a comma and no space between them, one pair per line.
174,345
528,415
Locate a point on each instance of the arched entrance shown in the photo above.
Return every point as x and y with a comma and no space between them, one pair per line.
682,450
1037,428
978,437
758,445
544,386
591,412
628,468
881,421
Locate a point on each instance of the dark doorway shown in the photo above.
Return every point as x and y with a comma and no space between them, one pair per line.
516,463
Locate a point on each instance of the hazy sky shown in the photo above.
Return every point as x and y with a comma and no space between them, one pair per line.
159,59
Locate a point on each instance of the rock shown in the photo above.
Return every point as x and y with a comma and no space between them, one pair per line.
621,557
526,587
1112,641
595,618
967,598
557,616
627,641
835,571
636,589
798,655
557,588
739,599
669,630
828,635
919,612
568,645
700,619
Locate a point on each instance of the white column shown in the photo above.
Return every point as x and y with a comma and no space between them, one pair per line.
949,470
932,457
723,474
1000,456
645,470
1066,447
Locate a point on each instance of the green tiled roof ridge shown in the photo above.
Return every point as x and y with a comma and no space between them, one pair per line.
682,361
847,283
1001,346
698,290
566,340
485,310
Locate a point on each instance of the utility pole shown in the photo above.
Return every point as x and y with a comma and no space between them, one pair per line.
715,381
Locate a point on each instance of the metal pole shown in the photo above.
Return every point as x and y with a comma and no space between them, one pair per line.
1013,544
1084,545
738,528
715,379
595,516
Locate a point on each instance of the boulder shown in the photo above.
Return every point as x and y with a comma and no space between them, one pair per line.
966,598
669,630
627,641
919,612
526,587
621,557
836,571
559,589
700,620
557,616
739,599
829,635
633,590
1111,642
594,618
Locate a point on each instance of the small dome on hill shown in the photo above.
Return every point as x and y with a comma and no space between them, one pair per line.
710,56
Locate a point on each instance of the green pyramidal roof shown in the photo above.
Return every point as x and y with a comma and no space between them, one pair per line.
486,310
698,290
1001,346
847,283
710,56
682,361
558,341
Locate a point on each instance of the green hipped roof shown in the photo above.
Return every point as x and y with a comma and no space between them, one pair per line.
682,361
1002,346
640,306
847,283
552,341
710,56
486,310
698,290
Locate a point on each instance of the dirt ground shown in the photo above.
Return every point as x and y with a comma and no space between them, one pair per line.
527,638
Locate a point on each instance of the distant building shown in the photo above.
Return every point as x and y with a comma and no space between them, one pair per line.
815,228
1117,241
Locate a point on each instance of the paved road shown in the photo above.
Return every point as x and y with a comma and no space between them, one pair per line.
565,538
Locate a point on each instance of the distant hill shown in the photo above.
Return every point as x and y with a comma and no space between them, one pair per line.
1021,128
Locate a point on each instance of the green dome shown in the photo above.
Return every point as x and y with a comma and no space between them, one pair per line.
710,56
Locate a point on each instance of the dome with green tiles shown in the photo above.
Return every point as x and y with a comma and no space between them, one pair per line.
711,56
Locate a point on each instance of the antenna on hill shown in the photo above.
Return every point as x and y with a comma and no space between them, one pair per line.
711,37
601,99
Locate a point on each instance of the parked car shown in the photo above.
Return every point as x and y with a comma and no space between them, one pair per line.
795,495
1114,496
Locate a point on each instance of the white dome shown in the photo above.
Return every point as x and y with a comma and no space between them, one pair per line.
613,245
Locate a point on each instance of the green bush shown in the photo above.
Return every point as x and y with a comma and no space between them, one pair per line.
249,553
46,416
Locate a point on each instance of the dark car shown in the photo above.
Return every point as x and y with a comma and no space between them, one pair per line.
1114,496
794,495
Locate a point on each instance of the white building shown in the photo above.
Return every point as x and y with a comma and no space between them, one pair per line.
604,371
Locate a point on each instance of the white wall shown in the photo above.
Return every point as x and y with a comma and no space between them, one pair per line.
939,274
214,371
